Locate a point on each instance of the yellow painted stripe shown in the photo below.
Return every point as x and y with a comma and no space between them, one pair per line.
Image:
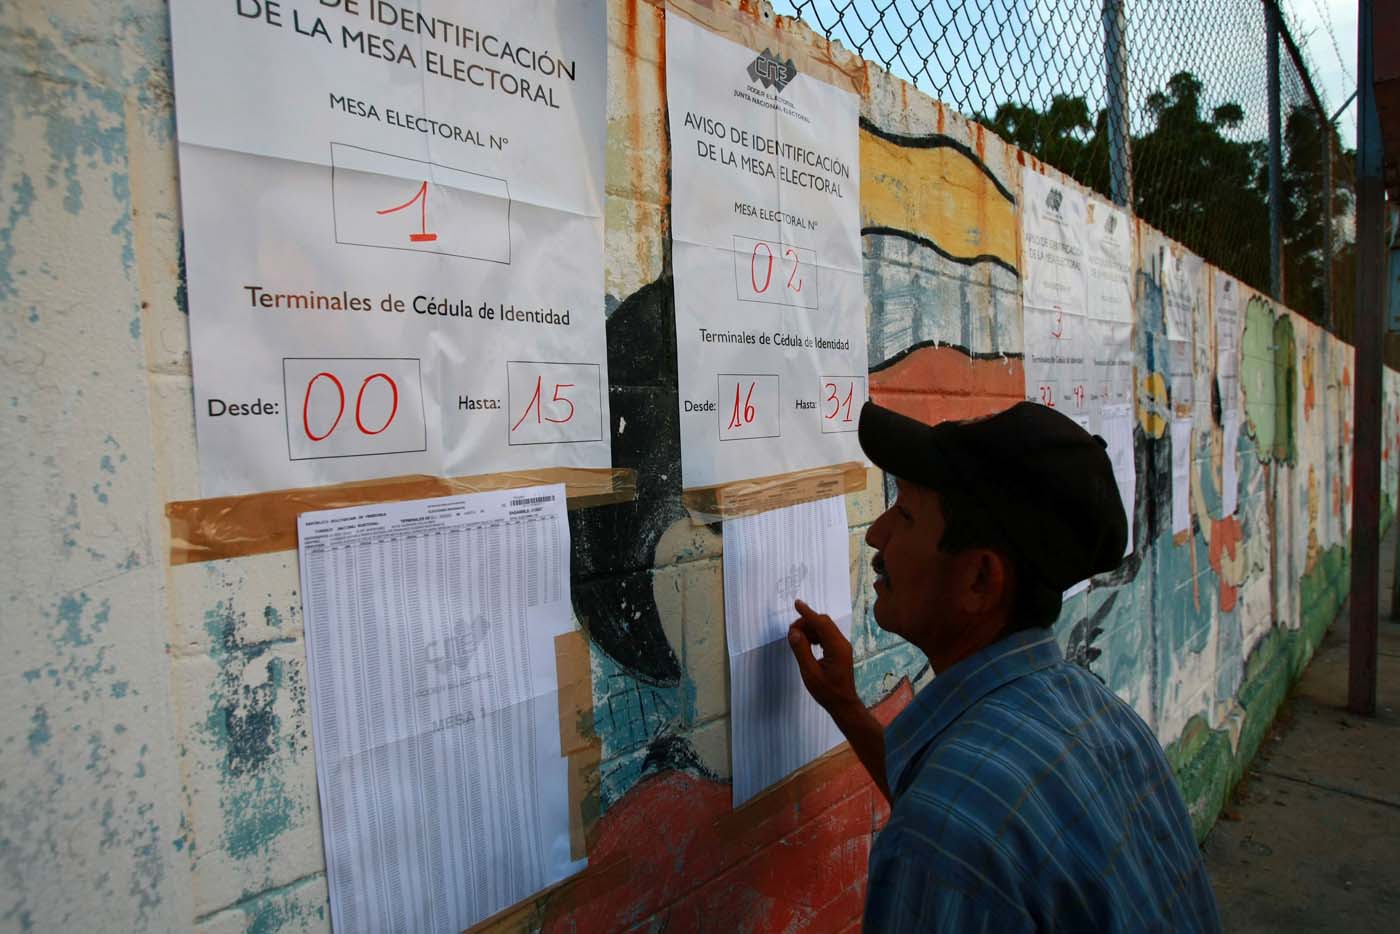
939,194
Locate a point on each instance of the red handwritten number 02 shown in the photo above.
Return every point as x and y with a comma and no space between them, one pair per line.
834,396
537,406
767,259
340,407
745,416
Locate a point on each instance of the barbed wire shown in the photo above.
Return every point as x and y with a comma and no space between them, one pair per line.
1196,111
1325,16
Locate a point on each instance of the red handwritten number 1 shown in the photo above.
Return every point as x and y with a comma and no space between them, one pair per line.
422,198
538,408
741,417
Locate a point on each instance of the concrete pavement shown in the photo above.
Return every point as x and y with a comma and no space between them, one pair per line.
1311,839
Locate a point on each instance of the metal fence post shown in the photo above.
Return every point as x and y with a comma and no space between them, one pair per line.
1369,331
1271,16
1119,133
1328,320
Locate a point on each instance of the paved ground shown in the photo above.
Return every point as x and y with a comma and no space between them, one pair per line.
1311,841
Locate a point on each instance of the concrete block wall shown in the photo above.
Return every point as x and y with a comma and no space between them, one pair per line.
158,772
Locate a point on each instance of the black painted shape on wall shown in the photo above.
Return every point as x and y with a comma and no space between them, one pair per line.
669,751
614,546
1080,648
938,141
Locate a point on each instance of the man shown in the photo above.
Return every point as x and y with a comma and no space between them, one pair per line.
1024,794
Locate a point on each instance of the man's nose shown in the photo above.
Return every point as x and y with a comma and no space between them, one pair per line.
876,534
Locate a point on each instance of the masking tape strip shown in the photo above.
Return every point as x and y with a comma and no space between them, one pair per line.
577,741
258,523
749,497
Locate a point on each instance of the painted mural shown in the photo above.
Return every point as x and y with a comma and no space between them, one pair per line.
162,710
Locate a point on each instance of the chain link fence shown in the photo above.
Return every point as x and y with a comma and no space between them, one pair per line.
1182,132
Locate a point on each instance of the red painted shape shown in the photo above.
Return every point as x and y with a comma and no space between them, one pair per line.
1225,534
935,384
672,853
786,886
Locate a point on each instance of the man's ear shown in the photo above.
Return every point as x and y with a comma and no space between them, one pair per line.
988,582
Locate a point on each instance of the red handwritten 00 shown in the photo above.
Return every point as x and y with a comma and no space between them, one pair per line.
340,406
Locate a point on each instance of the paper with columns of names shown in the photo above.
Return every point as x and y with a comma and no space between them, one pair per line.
1181,475
1229,464
430,630
1116,429
770,560
1226,307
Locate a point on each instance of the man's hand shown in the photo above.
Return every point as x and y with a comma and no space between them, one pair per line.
831,679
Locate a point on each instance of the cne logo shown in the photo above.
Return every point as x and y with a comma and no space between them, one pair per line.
1054,199
1111,224
770,71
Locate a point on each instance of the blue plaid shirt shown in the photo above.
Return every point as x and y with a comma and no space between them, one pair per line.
1028,797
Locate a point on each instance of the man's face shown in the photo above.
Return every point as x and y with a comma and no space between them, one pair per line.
912,574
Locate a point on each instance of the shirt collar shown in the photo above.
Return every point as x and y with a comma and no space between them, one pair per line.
955,690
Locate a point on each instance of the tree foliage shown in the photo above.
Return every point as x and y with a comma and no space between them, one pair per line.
1197,181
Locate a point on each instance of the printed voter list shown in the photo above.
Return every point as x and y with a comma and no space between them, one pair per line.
770,308
430,629
394,236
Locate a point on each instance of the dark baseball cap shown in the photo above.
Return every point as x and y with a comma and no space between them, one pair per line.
1046,483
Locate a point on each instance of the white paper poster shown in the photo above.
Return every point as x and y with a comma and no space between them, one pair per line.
430,630
770,560
1181,475
1182,275
1229,464
1111,259
770,308
1228,332
1055,294
394,237
1116,429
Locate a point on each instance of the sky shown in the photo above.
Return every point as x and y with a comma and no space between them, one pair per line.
1333,76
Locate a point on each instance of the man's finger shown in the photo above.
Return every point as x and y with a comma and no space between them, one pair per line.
818,627
802,651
